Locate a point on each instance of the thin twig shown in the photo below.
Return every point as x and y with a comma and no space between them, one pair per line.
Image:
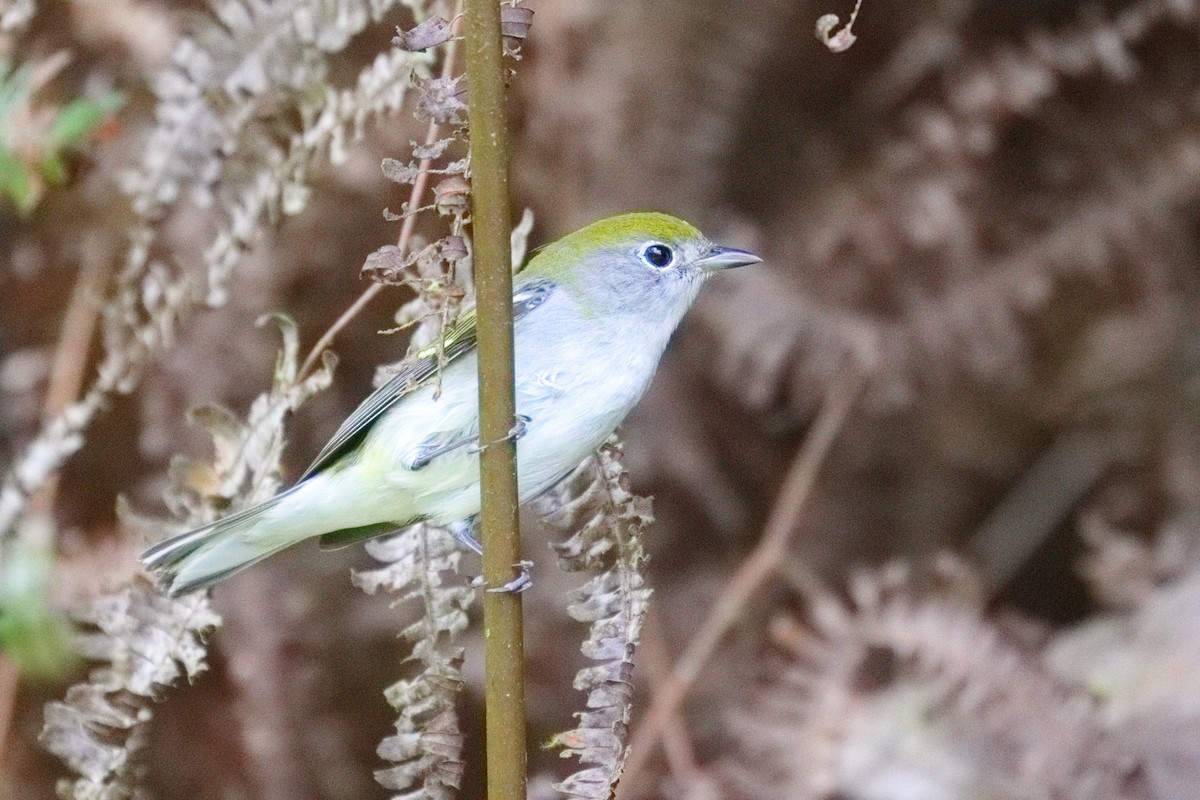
677,743
349,314
415,197
9,678
754,571
69,368
67,374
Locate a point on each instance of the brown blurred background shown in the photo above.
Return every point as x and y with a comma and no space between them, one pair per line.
992,208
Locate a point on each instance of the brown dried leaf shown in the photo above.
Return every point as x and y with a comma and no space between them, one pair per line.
452,196
430,33
442,100
398,171
386,265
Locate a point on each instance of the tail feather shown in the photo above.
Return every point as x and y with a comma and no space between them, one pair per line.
201,557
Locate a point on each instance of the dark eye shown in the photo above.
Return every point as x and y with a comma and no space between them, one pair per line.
657,255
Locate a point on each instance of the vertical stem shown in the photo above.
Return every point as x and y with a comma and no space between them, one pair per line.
504,647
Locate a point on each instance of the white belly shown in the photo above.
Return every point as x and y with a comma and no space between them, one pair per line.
572,403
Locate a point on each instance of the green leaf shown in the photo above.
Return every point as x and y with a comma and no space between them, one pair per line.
54,169
79,118
32,632
15,182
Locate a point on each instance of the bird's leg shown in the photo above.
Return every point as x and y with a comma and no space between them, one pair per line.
519,429
464,531
425,452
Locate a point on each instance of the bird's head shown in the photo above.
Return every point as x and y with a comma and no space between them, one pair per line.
644,264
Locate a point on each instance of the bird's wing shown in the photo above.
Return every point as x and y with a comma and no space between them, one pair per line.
460,339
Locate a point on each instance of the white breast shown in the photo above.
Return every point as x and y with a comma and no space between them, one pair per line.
575,387
575,383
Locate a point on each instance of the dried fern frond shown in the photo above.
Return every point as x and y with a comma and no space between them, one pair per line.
278,181
928,198
219,103
216,141
1142,663
246,463
148,640
906,695
605,523
427,745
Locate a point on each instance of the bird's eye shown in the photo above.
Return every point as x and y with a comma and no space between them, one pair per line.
657,255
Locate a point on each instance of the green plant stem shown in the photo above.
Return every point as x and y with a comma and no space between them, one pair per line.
491,223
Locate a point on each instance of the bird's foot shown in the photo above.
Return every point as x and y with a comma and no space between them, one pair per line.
520,583
516,586
519,429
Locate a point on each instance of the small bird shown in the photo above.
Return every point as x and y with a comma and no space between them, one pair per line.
592,314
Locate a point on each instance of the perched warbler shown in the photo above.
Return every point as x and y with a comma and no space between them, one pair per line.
592,314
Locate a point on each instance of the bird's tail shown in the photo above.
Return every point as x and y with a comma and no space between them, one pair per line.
201,557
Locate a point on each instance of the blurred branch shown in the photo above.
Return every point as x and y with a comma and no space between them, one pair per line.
15,15
69,368
147,31
677,743
10,676
1043,497
755,570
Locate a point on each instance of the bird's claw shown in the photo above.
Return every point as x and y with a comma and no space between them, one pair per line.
518,584
519,429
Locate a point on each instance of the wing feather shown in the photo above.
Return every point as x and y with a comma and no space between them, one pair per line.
461,339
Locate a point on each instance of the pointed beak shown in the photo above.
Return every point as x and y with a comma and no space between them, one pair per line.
726,258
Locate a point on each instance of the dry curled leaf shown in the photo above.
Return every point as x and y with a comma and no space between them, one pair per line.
398,171
386,265
515,21
452,196
842,40
435,149
838,42
430,33
442,100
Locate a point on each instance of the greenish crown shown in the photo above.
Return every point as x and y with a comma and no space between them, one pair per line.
561,261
